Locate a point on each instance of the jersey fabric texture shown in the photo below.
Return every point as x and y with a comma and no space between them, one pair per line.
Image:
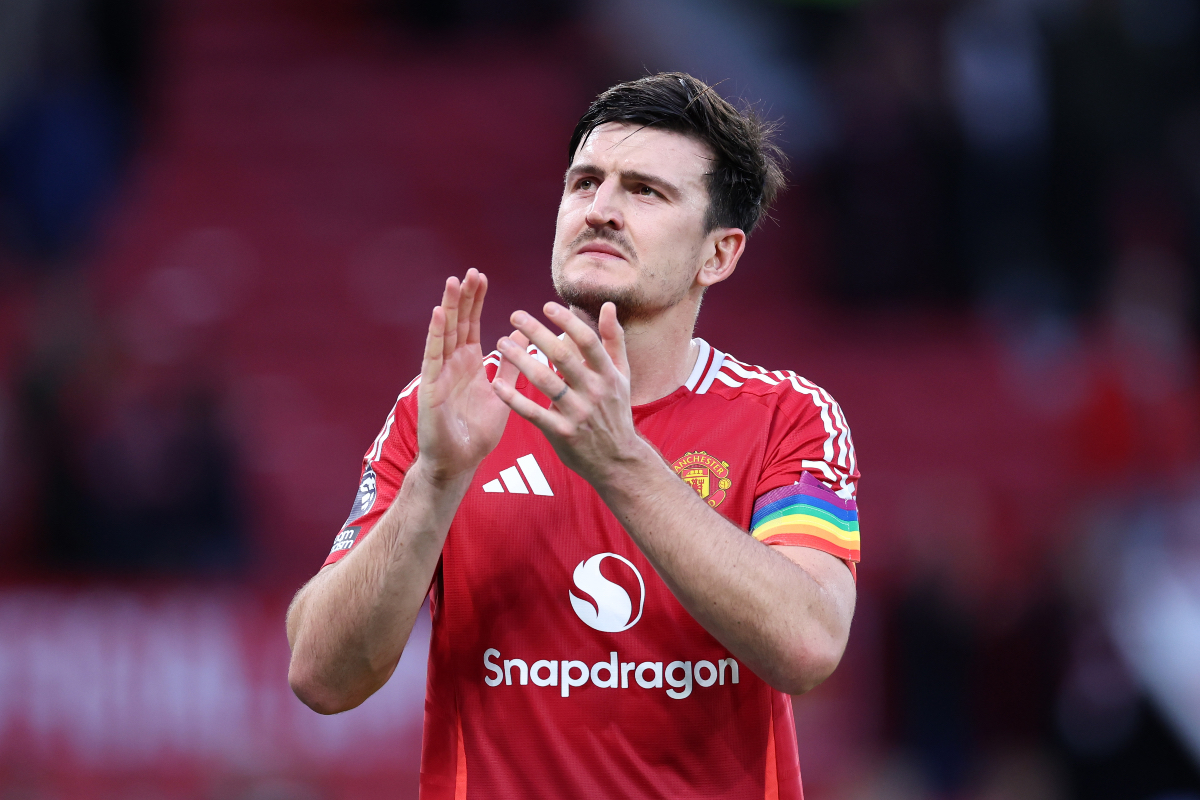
560,663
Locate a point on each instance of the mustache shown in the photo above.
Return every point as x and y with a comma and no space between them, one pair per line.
615,238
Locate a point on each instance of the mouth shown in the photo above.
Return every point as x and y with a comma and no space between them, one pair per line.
600,250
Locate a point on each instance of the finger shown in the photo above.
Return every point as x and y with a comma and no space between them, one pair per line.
431,364
466,304
544,379
507,371
573,370
549,421
477,311
450,307
613,337
585,339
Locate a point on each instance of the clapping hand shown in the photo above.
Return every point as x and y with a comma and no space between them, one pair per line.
589,420
460,417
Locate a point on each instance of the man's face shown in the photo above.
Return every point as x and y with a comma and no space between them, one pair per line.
631,221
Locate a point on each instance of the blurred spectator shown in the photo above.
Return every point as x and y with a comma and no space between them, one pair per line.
1122,72
72,89
450,16
131,470
998,85
891,179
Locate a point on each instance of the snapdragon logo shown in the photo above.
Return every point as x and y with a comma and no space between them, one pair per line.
611,609
680,676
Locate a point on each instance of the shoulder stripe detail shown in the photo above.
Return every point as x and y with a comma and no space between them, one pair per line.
701,364
823,468
838,432
412,385
840,462
728,381
826,416
739,370
717,360
377,447
846,459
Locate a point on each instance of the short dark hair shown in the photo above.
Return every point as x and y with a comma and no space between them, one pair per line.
747,172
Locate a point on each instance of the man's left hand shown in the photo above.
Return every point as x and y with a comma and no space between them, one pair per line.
589,421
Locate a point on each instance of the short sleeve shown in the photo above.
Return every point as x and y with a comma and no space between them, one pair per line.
383,468
806,493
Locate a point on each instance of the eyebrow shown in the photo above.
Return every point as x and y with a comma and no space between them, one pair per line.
641,177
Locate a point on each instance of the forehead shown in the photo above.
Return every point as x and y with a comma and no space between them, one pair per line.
624,146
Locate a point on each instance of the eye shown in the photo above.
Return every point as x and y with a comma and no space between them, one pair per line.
585,184
646,191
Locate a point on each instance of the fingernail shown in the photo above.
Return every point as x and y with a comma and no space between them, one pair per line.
519,317
504,343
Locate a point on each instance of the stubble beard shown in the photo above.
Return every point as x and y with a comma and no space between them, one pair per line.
632,302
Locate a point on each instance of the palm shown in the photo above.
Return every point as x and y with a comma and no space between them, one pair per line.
460,418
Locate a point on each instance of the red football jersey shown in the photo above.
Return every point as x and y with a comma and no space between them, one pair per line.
560,664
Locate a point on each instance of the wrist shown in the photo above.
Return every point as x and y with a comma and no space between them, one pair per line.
634,471
437,479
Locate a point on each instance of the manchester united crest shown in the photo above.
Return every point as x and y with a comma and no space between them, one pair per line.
709,476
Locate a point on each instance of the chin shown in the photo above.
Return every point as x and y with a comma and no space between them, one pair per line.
590,296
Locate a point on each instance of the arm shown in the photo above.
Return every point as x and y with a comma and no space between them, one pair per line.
347,627
784,611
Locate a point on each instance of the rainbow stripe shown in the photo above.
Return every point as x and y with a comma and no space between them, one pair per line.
807,514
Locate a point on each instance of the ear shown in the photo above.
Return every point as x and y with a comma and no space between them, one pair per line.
725,248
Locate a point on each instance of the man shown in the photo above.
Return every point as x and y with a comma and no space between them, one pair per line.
603,623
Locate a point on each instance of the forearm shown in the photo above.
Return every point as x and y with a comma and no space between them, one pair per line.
779,618
348,626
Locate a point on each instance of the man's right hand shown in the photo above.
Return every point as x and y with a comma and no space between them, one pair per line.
460,418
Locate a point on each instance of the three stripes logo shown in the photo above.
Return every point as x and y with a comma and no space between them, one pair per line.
512,478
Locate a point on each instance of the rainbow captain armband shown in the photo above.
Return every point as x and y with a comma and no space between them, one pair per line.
807,514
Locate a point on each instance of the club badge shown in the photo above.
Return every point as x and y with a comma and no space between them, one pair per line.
709,476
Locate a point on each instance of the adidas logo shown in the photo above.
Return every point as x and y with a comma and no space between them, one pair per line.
512,479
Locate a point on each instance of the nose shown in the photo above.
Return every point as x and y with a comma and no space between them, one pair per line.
605,211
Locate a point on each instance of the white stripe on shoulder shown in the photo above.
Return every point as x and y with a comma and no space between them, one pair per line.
846,457
739,369
412,385
826,415
824,468
846,461
839,462
701,363
377,447
717,360
835,412
728,381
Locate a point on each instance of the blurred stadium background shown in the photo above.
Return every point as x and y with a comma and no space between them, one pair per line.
222,223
